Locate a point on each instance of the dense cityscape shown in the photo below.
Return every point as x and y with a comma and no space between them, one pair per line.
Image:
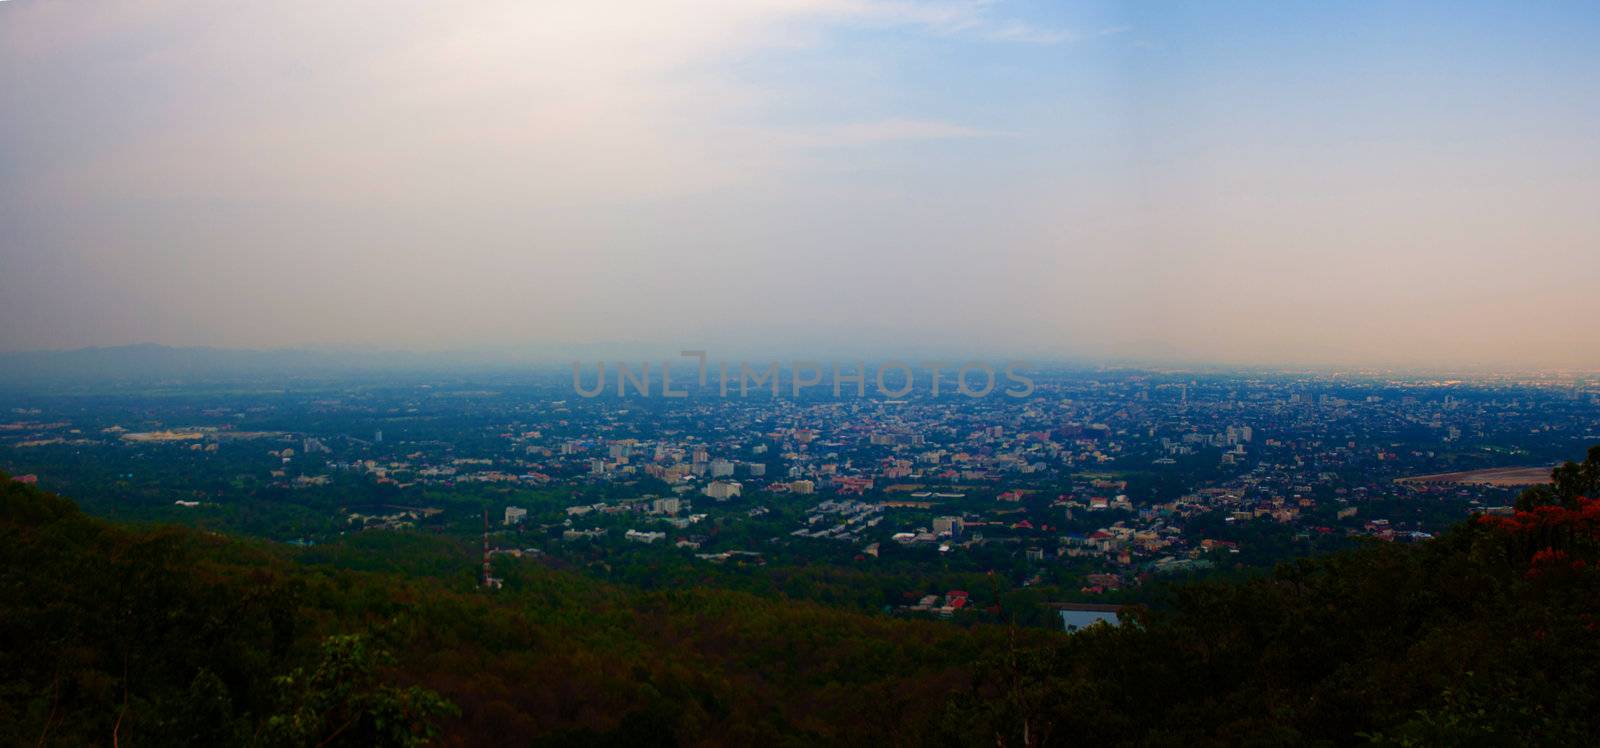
1096,483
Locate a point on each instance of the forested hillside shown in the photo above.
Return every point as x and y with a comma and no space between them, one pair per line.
158,636
161,636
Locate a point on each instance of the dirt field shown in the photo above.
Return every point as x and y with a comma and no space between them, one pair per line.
1503,477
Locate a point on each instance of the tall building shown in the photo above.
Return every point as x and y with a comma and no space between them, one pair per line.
722,490
721,468
666,506
515,515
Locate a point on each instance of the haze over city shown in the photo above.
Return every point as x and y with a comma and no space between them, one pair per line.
1035,373
1284,183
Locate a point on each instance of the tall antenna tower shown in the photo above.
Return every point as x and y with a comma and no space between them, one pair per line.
488,581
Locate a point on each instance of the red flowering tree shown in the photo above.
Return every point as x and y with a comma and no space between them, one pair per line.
1551,536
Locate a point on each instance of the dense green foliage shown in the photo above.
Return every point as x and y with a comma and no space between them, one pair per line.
1568,483
169,637
1486,636
158,636
165,636
1449,643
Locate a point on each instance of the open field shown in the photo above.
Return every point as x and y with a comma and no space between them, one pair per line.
1502,477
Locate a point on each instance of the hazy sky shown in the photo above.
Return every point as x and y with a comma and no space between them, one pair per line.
1273,182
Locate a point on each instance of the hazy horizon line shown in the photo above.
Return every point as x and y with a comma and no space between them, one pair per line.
564,354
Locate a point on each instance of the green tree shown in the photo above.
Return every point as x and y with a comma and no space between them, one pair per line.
344,701
1568,483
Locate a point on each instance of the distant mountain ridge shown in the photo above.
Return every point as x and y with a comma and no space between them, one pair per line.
148,362
151,363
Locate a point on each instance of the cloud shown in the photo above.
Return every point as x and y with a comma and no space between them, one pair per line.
887,131
1017,31
174,157
297,97
962,17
